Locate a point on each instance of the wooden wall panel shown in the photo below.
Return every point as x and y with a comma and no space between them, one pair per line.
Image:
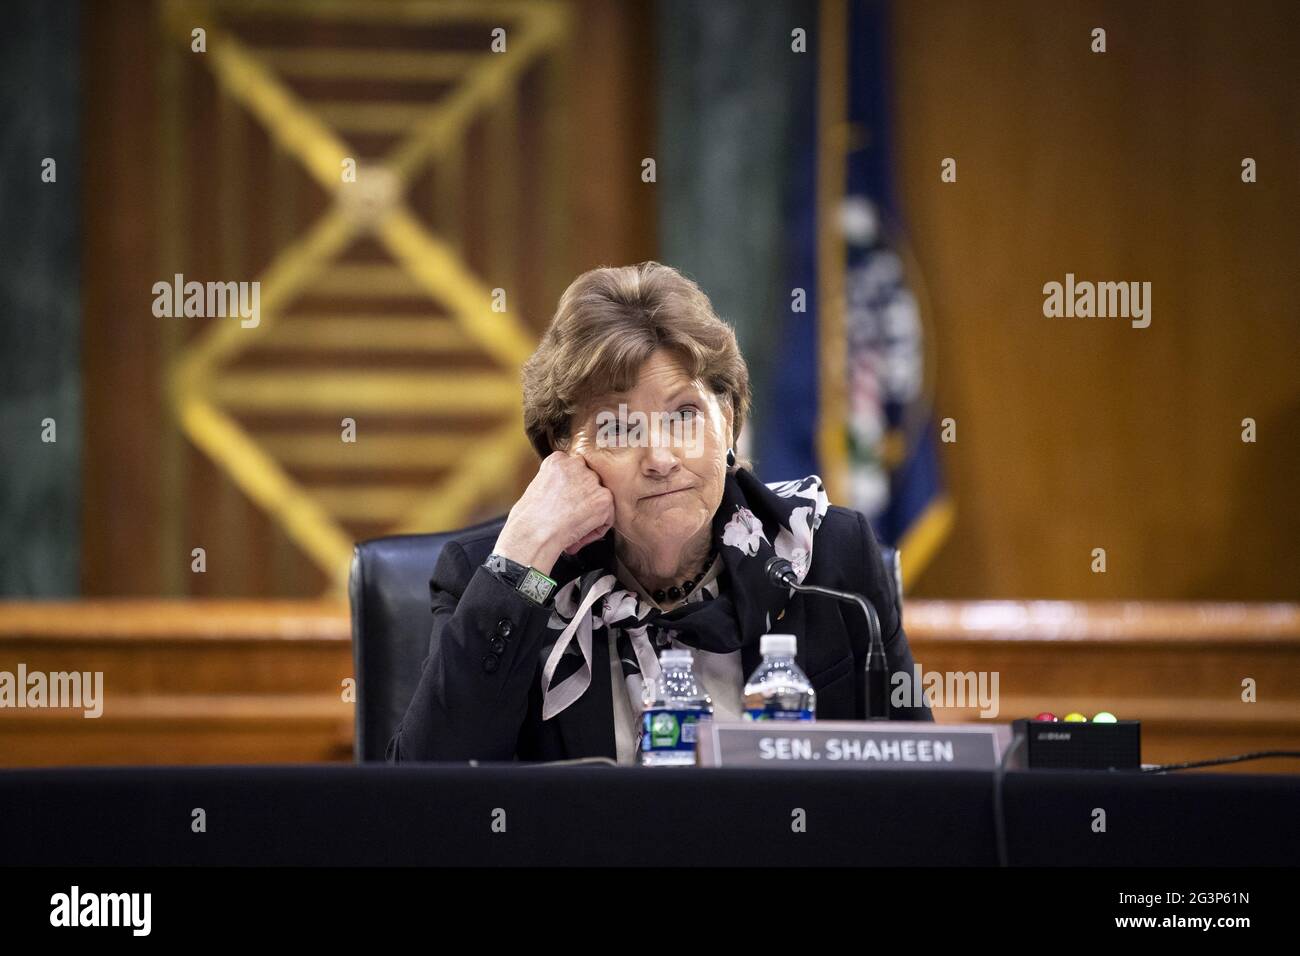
185,682
1075,434
121,359
182,177
1178,668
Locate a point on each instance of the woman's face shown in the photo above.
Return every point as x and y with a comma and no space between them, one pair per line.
660,448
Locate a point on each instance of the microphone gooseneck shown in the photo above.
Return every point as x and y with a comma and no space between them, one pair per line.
780,572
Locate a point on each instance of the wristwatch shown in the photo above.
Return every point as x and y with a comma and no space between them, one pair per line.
529,582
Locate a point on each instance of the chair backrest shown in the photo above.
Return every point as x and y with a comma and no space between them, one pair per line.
391,622
392,618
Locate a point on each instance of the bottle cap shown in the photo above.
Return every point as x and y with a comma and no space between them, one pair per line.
675,655
778,644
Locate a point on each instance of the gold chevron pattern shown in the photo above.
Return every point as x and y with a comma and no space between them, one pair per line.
361,360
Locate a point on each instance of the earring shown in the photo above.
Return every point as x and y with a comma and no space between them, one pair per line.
731,457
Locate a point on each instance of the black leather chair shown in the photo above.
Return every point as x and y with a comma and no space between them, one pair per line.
391,621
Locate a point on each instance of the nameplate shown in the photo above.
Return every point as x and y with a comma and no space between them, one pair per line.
852,745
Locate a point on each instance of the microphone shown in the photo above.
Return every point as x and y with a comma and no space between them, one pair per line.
780,573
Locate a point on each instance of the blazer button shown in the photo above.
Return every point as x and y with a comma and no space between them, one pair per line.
497,645
503,627
490,663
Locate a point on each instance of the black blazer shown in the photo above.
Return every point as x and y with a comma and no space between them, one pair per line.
480,696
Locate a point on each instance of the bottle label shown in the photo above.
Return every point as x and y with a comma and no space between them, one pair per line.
663,729
773,713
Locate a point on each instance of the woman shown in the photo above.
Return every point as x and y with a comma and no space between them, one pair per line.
641,531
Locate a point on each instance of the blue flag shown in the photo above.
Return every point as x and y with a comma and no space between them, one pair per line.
892,467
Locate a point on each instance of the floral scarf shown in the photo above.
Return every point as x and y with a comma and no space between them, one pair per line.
753,522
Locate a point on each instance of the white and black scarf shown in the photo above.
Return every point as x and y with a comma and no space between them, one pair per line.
754,522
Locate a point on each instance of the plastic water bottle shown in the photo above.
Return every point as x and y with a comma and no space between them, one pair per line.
778,689
672,719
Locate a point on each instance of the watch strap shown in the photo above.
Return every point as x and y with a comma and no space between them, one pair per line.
529,582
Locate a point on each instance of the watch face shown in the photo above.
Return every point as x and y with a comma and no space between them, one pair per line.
536,586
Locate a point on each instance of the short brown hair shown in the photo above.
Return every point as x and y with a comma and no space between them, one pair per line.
609,321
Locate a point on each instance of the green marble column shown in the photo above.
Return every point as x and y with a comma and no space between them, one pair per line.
40,306
730,87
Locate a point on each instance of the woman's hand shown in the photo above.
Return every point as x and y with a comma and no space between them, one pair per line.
563,509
